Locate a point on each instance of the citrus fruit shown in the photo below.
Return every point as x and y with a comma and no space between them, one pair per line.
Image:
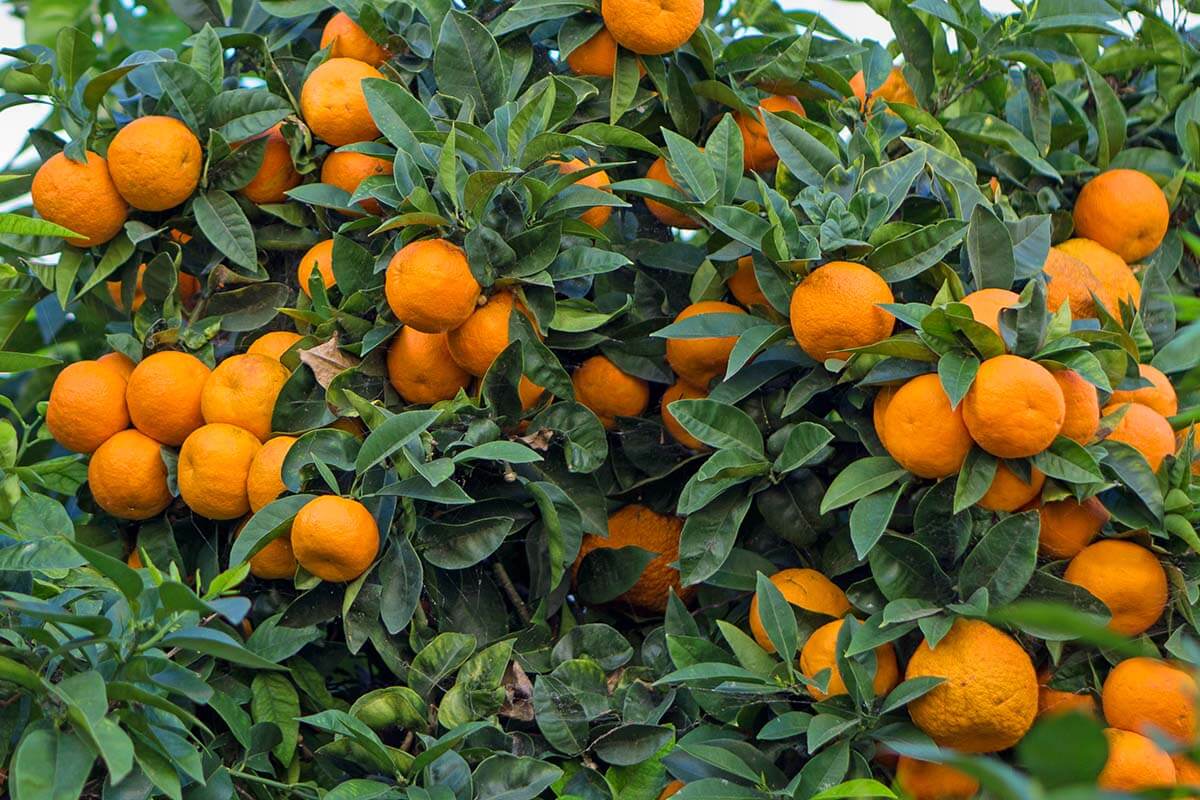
164,395
345,38
346,169
820,653
639,526
421,369
333,104
986,305
1134,763
86,405
668,216
118,361
894,89
1159,395
81,197
1125,211
320,258
1070,281
1127,578
264,482
1187,771
273,344
275,561
214,464
597,56
652,28
1151,697
743,285
670,789
1144,429
127,476
277,175
529,393
595,216
1081,419
757,151
1068,526
1014,408
1009,492
923,433
925,780
335,538
476,343
836,308
242,391
680,390
803,588
700,360
187,287
879,407
155,162
1118,284
610,393
1052,702
430,287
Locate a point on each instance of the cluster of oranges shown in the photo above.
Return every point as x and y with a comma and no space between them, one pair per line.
228,464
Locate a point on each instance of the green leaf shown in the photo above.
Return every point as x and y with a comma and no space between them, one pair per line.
507,777
608,572
1004,559
777,617
268,523
805,441
709,535
49,764
274,700
990,248
1064,750
1110,117
719,425
438,659
211,642
632,743
21,225
870,517
863,477
395,432
458,546
467,63
225,225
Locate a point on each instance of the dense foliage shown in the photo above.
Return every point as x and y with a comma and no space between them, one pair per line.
478,656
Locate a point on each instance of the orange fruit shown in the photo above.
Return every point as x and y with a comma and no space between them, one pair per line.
803,588
923,433
273,344
335,538
1127,578
894,89
879,407
652,28
277,174
477,342
698,361
820,653
155,162
529,393
164,395
86,405
989,698
1008,492
333,104
1117,282
1159,395
1149,695
1052,702
1082,417
242,391
836,308
1187,771
639,526
610,393
320,258
1014,407
421,369
597,56
1134,763
430,287
345,38
1068,526
757,152
1144,429
187,287
1070,281
127,476
670,789
925,780
81,197
214,464
986,305
668,216
134,560
595,216
275,561
680,390
346,170
1125,211
743,285
118,361
264,482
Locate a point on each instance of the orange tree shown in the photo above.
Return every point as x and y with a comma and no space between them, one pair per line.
613,400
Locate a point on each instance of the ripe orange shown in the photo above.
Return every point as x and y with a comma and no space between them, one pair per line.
1127,578
986,305
273,344
333,104
1117,282
1082,417
118,361
698,361
264,482
127,476
652,28
1125,211
989,698
639,526
743,285
803,588
923,433
1149,695
820,653
421,369
187,287
277,174
214,464
1052,702
1069,526
680,390
320,258
836,308
1008,492
347,39
1160,395
608,392
1134,763
275,561
530,393
894,89
597,56
430,287
1070,281
757,152
1014,408
668,216
164,395
86,406
335,538
1187,771
242,391
475,344
670,789
924,780
879,407
155,162
1145,430
595,216
81,197
346,170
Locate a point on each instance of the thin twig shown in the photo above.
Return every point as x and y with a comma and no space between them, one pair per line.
510,591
